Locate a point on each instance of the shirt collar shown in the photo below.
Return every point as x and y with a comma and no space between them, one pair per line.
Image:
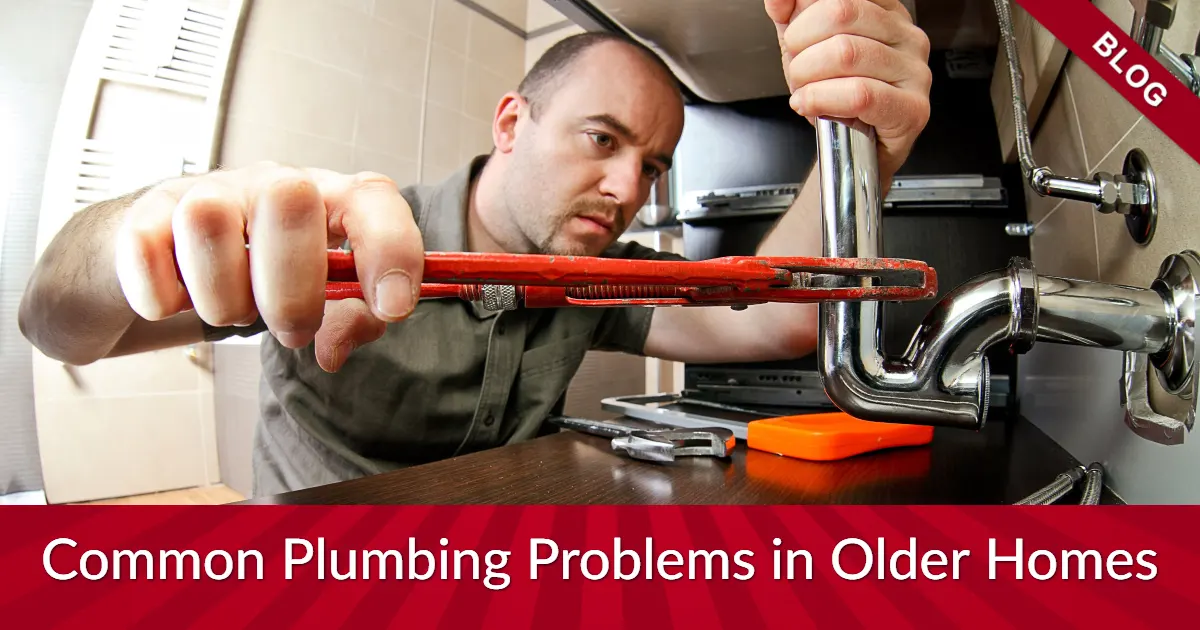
444,222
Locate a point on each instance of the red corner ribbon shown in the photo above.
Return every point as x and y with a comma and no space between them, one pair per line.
1107,48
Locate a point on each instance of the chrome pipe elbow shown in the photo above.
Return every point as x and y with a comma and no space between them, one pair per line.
943,377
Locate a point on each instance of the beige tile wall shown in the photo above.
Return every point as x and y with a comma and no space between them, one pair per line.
1072,393
542,16
403,87
539,14
515,11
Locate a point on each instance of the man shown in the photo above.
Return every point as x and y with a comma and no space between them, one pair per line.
357,387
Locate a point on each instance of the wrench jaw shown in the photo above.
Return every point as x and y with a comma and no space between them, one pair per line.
645,448
665,446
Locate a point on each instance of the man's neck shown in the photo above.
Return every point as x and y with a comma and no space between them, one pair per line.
483,192
486,218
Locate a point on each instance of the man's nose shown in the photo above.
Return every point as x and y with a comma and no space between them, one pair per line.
623,182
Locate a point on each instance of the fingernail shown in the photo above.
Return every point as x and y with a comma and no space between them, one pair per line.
293,340
394,294
797,100
248,321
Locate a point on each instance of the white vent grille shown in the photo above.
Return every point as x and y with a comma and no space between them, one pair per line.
106,171
93,181
171,45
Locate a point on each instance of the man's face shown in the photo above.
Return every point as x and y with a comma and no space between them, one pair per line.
579,173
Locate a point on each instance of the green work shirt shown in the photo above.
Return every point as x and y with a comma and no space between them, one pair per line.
450,379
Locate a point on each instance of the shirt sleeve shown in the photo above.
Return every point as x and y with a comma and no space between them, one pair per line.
624,329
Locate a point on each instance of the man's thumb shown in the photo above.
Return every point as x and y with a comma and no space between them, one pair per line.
348,324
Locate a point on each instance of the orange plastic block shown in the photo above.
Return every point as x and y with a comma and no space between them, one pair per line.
831,436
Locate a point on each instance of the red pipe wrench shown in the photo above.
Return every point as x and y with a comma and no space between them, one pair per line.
506,281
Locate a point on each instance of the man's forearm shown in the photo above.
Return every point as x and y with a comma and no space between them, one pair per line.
73,309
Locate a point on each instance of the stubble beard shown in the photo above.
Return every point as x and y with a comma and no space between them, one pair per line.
558,243
548,235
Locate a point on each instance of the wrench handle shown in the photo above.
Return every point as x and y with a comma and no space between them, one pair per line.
600,428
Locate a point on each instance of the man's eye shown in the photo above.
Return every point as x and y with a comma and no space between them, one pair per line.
650,171
602,139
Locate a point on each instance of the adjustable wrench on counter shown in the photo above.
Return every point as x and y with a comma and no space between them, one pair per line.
656,445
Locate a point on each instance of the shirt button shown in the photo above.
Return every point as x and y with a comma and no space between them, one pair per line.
489,421
500,328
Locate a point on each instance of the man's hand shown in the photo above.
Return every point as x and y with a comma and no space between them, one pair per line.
857,59
289,217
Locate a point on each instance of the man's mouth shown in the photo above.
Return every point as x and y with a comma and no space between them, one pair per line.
599,220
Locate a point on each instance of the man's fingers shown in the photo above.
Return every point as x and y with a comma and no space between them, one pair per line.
787,57
897,115
857,60
389,253
184,245
780,11
789,9
855,56
288,268
145,260
210,246
864,18
890,110
348,324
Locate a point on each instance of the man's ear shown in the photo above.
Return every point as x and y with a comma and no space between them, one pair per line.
509,113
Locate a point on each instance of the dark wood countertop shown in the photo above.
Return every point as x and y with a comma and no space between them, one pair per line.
1004,462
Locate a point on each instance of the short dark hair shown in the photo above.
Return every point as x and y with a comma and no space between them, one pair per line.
546,74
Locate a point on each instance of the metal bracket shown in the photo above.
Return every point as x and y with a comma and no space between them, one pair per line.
1140,417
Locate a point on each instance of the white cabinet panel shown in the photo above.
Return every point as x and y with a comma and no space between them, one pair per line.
144,101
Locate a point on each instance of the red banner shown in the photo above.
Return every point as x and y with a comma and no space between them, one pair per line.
1107,48
602,566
